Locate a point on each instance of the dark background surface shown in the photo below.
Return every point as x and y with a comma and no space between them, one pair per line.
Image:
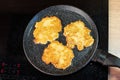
14,17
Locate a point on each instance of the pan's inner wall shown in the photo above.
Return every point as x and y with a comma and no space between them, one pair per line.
34,52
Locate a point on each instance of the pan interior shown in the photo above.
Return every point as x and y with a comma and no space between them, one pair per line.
67,14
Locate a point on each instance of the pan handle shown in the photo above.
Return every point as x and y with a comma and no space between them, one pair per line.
106,58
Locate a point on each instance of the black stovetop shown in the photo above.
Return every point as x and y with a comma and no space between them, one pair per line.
13,63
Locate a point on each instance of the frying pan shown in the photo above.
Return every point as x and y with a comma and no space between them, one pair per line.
67,14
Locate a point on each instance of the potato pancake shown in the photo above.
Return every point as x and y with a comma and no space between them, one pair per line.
58,55
47,29
77,34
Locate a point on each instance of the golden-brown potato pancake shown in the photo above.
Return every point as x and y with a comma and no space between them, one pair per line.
47,29
77,34
58,55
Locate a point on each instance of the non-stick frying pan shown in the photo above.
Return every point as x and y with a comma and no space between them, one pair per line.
67,14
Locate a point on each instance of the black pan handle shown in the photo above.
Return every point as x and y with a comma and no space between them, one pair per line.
106,58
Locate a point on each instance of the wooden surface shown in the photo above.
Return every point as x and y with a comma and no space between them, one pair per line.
114,27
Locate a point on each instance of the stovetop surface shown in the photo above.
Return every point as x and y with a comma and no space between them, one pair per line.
13,63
